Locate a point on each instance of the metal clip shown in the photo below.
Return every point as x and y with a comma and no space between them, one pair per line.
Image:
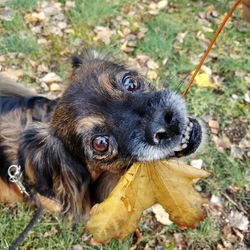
15,175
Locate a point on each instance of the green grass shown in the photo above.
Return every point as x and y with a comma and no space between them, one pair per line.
18,43
225,170
16,24
206,234
230,54
22,5
91,13
57,233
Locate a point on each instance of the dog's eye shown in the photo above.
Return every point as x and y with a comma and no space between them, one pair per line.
130,83
100,144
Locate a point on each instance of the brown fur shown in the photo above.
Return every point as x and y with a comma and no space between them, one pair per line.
88,123
107,87
9,193
52,205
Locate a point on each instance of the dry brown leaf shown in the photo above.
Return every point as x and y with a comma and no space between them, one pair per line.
51,77
168,183
103,34
12,74
238,220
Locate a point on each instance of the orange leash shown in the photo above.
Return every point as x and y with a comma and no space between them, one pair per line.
219,29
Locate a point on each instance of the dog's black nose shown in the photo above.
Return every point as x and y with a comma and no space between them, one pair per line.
162,128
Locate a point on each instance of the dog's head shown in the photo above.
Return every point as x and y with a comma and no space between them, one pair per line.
110,117
107,118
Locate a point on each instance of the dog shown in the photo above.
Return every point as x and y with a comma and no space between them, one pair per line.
72,151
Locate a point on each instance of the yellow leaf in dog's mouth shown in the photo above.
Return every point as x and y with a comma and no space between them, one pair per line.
144,184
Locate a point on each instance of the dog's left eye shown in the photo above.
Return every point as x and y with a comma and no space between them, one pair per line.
130,83
100,144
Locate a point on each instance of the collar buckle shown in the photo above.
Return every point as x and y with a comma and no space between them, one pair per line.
15,175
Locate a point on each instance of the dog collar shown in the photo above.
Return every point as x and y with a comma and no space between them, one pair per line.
15,175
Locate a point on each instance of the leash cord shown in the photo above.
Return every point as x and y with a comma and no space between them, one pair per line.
219,29
32,223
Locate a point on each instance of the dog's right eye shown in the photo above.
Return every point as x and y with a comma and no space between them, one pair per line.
100,144
130,83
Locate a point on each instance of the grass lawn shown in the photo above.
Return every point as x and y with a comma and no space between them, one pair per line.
174,37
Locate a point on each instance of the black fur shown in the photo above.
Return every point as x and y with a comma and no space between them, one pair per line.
76,62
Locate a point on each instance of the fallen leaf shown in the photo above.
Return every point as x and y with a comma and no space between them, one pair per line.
247,98
140,35
202,81
70,4
161,215
168,183
126,47
34,17
237,152
162,4
165,61
103,34
222,142
151,64
238,220
12,74
152,75
50,11
196,163
42,68
216,205
206,70
77,247
6,14
54,87
154,8
180,36
214,126
2,58
51,78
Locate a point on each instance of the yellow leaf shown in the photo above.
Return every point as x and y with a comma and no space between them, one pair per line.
174,191
202,80
144,184
119,214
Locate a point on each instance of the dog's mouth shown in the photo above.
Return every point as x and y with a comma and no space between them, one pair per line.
188,142
190,139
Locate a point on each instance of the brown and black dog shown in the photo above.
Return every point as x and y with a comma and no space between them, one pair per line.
73,150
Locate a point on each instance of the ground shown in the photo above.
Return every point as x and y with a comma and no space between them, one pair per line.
164,40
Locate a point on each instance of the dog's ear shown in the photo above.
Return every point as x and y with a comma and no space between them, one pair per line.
76,62
52,171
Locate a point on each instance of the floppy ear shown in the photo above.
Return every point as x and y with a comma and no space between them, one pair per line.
51,170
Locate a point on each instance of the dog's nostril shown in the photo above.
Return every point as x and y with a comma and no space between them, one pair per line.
161,134
168,117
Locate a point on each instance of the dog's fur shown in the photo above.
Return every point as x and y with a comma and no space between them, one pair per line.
52,140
